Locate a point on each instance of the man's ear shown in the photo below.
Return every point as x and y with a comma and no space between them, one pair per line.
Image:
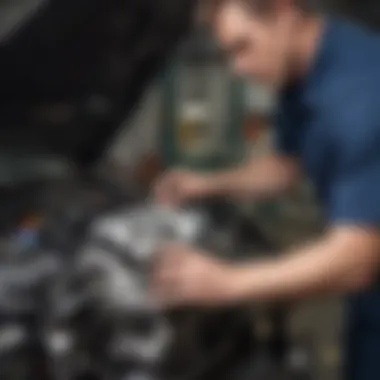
286,13
285,6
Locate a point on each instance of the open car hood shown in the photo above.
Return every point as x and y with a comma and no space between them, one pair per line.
71,71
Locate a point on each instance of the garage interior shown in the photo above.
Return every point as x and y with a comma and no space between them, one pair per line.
193,113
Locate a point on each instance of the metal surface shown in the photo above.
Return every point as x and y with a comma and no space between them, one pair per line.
81,296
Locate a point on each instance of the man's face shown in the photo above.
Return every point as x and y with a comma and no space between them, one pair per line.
259,46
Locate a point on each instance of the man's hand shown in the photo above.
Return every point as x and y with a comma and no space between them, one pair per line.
177,187
187,277
260,179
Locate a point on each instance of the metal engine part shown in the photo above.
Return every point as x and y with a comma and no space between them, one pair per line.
133,237
102,319
84,306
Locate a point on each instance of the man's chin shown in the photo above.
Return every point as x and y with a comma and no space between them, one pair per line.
270,86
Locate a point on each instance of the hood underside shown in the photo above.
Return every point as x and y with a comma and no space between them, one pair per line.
71,71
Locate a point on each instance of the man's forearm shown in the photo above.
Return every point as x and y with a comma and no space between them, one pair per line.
330,266
261,179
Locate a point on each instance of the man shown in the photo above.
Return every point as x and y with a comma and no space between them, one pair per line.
327,73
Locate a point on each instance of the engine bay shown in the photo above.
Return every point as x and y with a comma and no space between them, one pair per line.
75,289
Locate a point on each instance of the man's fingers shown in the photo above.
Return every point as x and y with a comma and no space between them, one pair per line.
167,287
168,191
170,270
165,277
173,280
166,267
171,255
171,291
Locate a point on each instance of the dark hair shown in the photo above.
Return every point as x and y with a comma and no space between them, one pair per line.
264,6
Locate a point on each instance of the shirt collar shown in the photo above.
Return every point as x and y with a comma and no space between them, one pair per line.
323,55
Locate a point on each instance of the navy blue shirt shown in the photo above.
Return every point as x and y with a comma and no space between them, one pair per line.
331,121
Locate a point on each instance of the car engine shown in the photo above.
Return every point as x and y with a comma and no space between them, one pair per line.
76,305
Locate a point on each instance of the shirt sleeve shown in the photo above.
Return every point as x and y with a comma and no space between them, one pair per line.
355,191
